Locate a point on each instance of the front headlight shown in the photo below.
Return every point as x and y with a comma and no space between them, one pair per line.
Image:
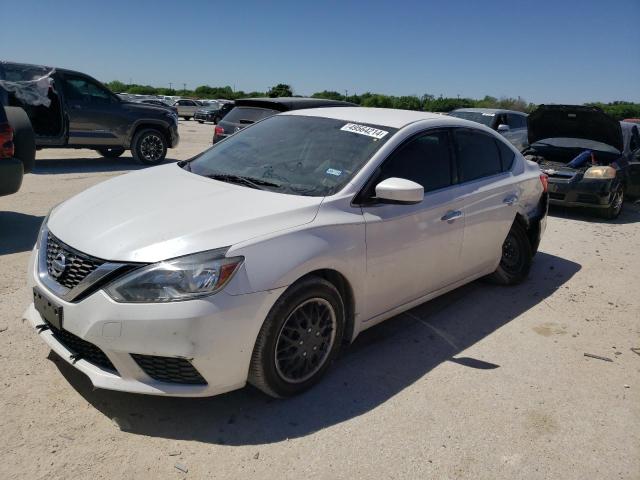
182,278
605,172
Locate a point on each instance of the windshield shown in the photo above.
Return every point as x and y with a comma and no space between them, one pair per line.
294,154
248,114
478,117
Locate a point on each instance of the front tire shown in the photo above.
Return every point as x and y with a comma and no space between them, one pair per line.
517,256
149,146
299,339
615,207
110,152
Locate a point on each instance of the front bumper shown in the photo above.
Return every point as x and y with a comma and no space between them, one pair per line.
585,193
214,334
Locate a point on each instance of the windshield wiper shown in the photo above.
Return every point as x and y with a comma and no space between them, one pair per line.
248,181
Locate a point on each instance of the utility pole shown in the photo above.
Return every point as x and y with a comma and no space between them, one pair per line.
346,95
184,88
170,85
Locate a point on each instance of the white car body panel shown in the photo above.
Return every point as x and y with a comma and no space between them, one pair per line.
392,257
141,220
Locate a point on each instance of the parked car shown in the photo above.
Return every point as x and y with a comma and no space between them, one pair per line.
75,110
301,231
186,108
213,112
591,160
510,123
17,148
250,110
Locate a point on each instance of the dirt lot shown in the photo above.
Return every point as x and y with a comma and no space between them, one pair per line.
483,383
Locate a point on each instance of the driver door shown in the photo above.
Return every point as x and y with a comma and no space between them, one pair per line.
413,250
96,116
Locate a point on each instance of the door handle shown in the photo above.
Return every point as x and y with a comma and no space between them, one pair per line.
510,200
451,215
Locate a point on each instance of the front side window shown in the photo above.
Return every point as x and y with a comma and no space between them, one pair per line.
517,121
294,154
81,89
477,155
425,160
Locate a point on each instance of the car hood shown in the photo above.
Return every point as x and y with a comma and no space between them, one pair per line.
208,109
574,121
166,212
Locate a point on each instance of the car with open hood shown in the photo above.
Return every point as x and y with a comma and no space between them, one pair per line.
590,158
257,260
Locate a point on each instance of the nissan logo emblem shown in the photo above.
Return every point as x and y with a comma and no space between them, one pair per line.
58,265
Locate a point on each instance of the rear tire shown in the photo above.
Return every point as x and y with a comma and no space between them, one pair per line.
310,311
516,259
615,207
187,118
200,121
149,146
24,139
110,152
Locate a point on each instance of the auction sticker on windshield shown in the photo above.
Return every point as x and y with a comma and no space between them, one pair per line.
364,130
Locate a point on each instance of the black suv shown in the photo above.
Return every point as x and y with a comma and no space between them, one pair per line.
77,111
250,110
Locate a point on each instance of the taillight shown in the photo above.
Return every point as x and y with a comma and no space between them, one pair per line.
218,131
7,148
544,179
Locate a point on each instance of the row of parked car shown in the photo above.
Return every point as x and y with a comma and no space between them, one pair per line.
591,159
186,108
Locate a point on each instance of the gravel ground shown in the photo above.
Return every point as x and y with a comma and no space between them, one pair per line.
485,382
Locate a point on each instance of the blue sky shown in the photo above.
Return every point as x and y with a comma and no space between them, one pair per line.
545,51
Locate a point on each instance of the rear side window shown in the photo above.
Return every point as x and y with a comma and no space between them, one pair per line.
506,155
477,155
425,160
248,114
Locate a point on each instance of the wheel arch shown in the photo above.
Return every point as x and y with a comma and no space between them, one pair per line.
345,289
156,125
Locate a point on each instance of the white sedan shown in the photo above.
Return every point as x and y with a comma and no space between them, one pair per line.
260,258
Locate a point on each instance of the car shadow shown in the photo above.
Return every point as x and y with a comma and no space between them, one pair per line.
630,214
382,362
19,232
46,166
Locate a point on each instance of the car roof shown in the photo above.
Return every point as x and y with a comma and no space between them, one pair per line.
489,110
388,117
289,103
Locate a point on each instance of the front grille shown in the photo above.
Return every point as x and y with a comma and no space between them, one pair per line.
78,265
81,348
169,369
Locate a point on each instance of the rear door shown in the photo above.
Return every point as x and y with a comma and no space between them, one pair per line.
413,250
95,114
490,195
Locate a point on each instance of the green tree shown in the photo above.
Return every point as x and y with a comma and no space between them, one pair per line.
280,90
329,95
116,86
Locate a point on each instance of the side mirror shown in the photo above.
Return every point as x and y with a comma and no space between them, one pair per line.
503,128
399,190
